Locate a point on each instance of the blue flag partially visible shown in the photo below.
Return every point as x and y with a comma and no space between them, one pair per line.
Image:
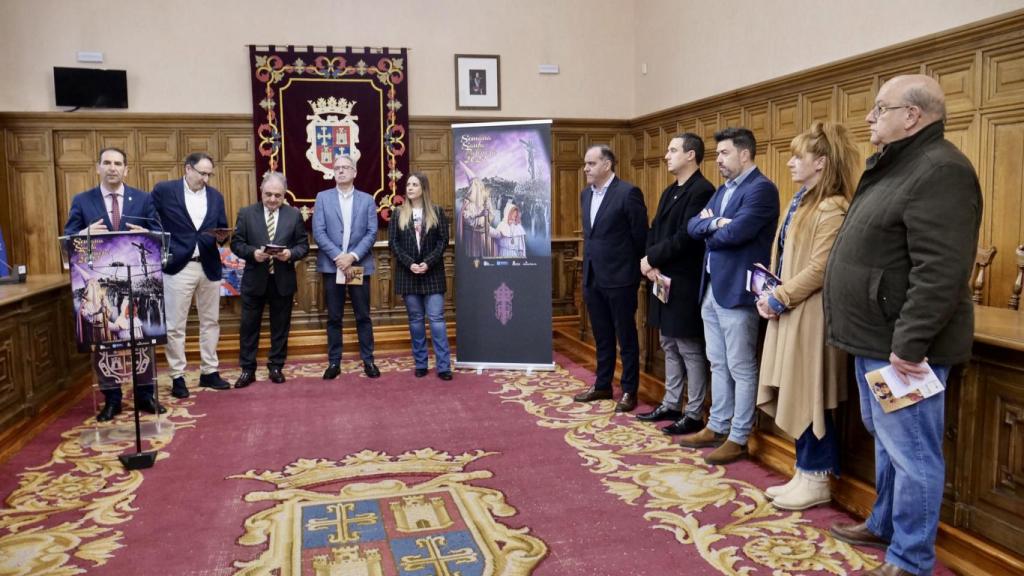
5,268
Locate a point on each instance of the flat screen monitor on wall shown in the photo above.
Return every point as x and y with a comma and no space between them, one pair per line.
90,87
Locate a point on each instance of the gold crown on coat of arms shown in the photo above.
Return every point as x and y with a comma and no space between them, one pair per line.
332,105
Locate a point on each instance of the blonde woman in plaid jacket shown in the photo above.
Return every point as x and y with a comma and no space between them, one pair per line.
418,237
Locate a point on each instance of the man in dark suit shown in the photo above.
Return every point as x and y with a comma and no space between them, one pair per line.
672,253
193,213
113,206
614,238
270,237
738,227
345,228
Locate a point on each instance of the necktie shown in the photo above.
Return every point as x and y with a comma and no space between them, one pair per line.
115,211
271,229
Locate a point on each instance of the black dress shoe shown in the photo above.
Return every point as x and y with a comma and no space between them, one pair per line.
276,376
178,388
108,412
213,380
150,405
593,394
660,413
420,372
332,372
247,377
627,403
371,370
684,425
446,375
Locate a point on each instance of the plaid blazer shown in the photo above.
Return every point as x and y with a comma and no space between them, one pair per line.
430,252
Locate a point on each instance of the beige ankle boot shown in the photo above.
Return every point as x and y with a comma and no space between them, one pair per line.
776,491
812,490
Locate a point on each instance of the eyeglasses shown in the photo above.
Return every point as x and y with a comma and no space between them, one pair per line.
879,109
201,173
345,168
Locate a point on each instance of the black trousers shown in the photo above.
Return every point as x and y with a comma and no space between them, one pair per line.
613,317
252,318
335,294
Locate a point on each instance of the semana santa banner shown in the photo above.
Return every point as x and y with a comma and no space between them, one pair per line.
503,244
310,105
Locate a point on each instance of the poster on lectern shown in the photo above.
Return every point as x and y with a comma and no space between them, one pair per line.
502,233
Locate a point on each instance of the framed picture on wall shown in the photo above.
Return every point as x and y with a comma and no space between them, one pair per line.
477,82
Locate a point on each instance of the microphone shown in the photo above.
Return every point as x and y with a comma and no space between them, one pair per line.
16,277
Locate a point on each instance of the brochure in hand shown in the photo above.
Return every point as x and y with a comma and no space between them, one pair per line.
661,288
893,391
760,280
274,249
355,280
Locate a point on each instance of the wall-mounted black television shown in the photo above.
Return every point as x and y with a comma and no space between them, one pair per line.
90,87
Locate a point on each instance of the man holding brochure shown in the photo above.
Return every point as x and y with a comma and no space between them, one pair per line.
673,254
345,228
896,294
270,236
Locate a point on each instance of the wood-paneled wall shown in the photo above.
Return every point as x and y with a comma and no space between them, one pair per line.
981,69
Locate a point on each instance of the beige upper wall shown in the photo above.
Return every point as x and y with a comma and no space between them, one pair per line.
190,56
694,50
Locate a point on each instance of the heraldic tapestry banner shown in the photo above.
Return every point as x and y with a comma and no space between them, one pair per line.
503,244
310,106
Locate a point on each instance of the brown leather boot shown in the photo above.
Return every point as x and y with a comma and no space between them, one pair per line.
703,439
726,453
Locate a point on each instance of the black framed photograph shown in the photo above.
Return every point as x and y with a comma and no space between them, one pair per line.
477,82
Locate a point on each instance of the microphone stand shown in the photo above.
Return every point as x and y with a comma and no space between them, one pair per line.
139,459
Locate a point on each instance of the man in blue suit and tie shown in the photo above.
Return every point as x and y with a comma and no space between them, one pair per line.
737,226
113,206
345,228
193,213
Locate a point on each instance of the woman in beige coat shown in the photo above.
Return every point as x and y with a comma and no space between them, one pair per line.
801,377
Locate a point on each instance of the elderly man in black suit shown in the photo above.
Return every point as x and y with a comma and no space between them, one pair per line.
673,254
614,237
270,236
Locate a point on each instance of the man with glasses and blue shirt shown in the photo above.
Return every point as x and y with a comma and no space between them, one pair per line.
896,293
738,227
193,213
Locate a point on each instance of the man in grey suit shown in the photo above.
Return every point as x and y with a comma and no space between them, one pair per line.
345,228
270,236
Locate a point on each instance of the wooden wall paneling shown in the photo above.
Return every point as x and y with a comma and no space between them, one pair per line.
74,147
818,105
235,146
732,118
1002,183
122,139
756,118
886,75
686,125
565,209
786,119
568,147
960,80
1003,75
6,229
152,172
30,145
778,155
159,145
856,98
45,350
442,189
200,141
707,125
12,380
239,189
655,180
70,181
652,142
35,218
431,145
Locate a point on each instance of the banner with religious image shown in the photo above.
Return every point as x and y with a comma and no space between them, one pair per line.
311,105
502,233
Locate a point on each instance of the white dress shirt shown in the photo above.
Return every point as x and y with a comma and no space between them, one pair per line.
195,203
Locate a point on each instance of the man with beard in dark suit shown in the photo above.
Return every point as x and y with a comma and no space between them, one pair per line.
614,238
672,253
270,236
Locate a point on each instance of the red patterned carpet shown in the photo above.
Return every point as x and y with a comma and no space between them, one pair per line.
494,473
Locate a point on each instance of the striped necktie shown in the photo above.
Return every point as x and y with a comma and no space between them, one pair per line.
115,211
271,229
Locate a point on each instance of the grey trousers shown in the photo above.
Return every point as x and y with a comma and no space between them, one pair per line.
684,358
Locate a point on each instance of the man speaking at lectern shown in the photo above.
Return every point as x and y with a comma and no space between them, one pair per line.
114,207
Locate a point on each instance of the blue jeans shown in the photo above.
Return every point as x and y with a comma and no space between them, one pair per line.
731,335
909,471
815,454
434,305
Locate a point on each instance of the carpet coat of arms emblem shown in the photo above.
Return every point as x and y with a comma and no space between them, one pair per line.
332,519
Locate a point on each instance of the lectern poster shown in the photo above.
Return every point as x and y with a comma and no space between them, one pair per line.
502,233
117,289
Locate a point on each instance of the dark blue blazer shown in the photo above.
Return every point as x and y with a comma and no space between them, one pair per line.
169,200
737,246
614,245
88,207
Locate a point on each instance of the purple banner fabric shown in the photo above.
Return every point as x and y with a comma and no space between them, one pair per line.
310,106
